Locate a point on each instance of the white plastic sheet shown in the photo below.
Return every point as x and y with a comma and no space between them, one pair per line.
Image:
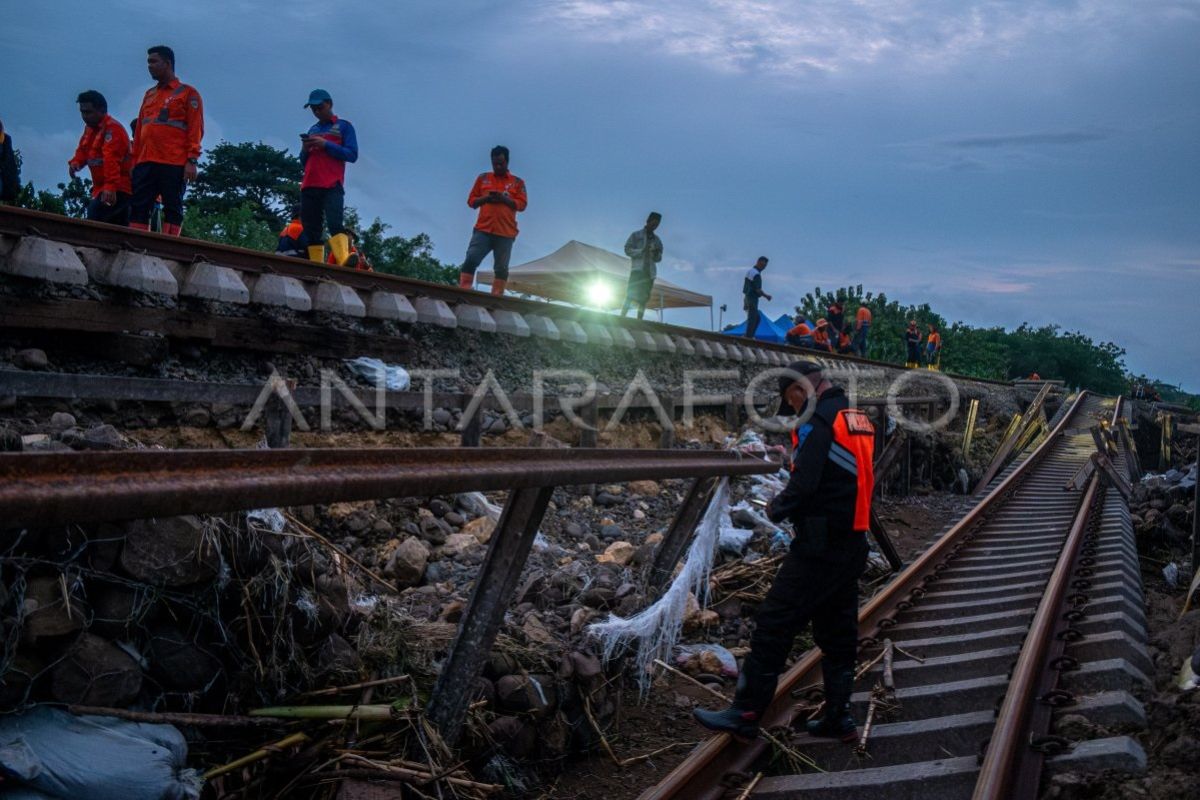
395,378
657,628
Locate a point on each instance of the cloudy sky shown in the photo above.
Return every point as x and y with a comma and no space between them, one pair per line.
1005,161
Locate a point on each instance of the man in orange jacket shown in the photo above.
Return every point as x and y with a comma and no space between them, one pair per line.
166,143
104,150
821,336
498,195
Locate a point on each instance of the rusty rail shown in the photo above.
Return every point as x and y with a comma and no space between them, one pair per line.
39,489
58,488
84,233
700,776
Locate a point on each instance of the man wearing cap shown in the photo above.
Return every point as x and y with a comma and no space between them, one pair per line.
644,249
325,150
828,502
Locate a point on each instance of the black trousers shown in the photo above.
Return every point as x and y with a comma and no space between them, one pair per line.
150,181
818,583
752,317
321,206
116,214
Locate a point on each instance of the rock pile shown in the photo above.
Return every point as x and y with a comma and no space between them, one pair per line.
1163,507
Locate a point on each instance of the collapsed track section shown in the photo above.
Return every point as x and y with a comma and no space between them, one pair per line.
1030,603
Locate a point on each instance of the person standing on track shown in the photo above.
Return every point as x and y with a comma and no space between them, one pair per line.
645,250
828,502
933,349
912,342
862,329
325,150
104,149
166,144
498,195
751,291
10,170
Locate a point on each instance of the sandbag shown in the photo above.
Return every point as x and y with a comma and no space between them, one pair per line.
68,757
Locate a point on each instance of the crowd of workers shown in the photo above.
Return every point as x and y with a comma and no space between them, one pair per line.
140,181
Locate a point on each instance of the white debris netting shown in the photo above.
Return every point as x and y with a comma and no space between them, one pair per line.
657,629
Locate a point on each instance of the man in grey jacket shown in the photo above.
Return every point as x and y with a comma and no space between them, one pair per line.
644,250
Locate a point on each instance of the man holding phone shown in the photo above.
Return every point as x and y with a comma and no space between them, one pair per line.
498,195
325,150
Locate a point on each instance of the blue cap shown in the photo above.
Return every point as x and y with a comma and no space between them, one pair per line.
316,97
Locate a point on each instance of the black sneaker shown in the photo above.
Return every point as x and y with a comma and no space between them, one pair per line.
842,728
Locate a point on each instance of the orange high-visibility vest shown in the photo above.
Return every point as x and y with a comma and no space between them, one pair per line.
853,449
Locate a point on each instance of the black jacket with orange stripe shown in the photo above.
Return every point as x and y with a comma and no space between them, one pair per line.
821,496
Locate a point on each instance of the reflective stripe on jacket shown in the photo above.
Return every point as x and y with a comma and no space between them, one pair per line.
170,125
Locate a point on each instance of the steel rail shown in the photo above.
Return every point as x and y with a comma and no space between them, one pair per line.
1010,766
84,233
39,489
700,775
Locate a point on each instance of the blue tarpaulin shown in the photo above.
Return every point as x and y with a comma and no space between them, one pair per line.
767,330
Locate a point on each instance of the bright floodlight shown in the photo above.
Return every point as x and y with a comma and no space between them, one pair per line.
599,294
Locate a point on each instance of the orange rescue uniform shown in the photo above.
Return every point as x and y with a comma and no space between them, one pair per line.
863,315
170,125
104,150
498,218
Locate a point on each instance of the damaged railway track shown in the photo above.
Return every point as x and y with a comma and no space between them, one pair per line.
122,282
38,491
1030,604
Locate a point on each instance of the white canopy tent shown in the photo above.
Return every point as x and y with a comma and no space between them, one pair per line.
584,275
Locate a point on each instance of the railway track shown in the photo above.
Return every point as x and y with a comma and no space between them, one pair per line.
1036,576
49,248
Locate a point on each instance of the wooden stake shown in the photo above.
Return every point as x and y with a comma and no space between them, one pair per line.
750,787
691,680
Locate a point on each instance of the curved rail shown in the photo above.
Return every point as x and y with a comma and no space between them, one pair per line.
702,775
84,233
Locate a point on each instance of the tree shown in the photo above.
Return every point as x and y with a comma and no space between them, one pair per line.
248,175
396,255
240,226
71,200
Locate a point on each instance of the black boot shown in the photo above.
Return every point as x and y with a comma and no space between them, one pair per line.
836,722
754,693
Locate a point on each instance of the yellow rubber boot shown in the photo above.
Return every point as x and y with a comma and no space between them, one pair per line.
316,252
340,245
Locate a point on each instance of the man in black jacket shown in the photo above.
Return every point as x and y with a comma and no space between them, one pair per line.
10,171
827,500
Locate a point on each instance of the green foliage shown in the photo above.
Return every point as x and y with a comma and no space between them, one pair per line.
888,318
248,175
396,255
993,353
241,226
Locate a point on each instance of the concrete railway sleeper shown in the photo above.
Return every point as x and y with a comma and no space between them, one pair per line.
47,248
1029,607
